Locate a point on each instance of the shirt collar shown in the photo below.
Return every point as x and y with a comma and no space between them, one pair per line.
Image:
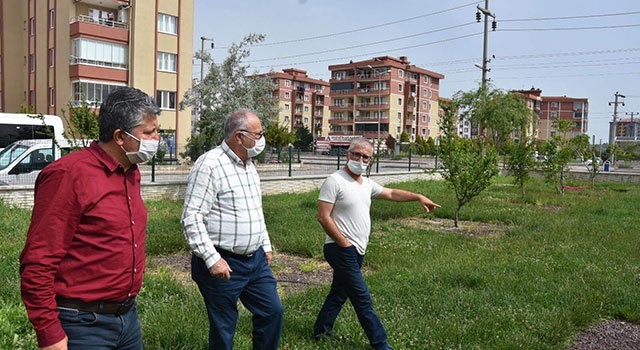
108,161
229,152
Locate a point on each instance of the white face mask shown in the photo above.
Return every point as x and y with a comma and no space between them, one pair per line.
257,148
146,151
357,167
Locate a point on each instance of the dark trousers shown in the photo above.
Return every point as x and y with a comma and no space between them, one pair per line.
348,283
90,330
253,283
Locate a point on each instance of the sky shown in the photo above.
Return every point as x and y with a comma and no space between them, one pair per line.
581,49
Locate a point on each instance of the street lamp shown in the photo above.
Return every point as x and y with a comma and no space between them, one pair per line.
379,114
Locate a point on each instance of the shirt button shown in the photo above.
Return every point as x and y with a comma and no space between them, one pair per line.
133,222
135,246
135,270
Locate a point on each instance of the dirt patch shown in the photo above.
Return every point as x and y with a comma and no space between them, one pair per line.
468,228
609,335
294,273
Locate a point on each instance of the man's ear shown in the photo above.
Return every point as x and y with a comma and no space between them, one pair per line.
118,136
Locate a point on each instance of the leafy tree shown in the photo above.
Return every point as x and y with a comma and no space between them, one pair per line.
427,146
82,125
558,153
226,88
404,137
521,162
465,168
304,139
498,113
278,136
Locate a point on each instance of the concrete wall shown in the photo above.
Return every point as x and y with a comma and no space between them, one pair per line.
22,196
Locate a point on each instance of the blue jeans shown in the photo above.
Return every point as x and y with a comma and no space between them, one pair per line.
348,282
253,283
90,330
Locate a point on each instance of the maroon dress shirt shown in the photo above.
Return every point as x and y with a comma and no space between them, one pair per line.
86,240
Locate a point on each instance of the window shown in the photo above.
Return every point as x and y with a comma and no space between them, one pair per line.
424,118
554,114
426,79
306,108
32,63
52,97
400,73
425,93
52,18
306,120
286,107
287,94
554,104
167,24
99,53
399,87
91,93
52,61
32,26
399,115
306,97
166,99
424,105
286,118
399,102
287,83
166,62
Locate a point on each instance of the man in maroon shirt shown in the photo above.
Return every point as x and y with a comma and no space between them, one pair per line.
83,260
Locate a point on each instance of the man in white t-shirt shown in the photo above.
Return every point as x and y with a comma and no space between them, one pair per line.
343,211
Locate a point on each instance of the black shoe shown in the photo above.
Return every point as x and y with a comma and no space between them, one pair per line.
327,337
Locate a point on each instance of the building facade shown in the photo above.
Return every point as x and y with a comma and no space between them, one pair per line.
56,53
381,97
563,107
303,101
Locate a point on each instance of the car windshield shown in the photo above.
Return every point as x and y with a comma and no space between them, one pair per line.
9,154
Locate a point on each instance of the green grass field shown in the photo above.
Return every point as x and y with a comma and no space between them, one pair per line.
559,265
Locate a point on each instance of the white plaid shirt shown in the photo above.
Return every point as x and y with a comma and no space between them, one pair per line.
223,206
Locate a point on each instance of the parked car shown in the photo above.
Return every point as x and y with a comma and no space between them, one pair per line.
22,161
589,162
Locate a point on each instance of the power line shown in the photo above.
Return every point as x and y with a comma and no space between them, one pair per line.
567,28
361,29
371,53
569,17
362,45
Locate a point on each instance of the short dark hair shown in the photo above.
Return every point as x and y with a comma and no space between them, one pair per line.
125,109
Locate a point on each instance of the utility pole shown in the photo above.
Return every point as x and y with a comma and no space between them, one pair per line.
632,125
614,130
203,39
485,45
485,11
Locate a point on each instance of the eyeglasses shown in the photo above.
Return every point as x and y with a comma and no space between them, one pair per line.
256,135
358,155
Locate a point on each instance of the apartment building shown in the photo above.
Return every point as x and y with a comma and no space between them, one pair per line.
563,107
56,52
382,97
303,101
626,129
533,101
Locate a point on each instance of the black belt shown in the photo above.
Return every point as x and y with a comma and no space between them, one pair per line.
101,307
230,254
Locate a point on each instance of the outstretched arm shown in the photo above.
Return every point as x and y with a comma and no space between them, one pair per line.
397,195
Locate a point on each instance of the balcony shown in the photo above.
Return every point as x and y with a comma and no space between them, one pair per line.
372,119
341,121
99,28
341,92
341,107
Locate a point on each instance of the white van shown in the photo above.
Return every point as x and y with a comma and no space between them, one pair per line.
21,161
18,126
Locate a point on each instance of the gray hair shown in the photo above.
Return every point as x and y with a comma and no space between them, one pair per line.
358,141
125,109
236,121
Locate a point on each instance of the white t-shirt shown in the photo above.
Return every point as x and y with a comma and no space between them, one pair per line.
351,203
